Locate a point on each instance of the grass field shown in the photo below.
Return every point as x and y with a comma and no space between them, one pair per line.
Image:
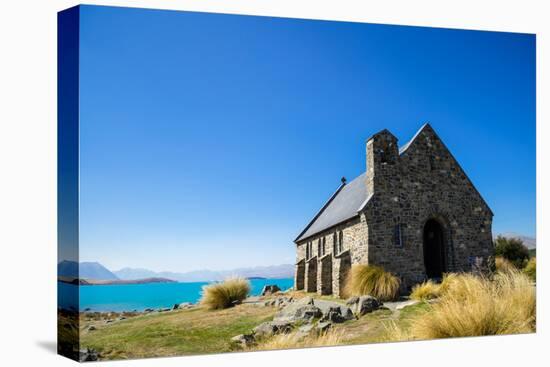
183,332
201,331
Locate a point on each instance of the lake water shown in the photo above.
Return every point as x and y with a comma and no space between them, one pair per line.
128,297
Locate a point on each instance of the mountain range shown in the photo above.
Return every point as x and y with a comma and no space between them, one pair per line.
96,271
273,271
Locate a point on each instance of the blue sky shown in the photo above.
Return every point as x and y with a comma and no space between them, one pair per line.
209,141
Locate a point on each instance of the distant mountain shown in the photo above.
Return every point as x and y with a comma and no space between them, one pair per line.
274,271
136,281
88,270
530,242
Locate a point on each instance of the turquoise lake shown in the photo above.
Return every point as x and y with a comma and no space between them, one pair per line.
129,297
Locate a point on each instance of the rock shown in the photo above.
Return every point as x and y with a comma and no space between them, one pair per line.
270,289
109,321
91,328
363,305
333,315
324,326
243,340
122,318
279,302
166,309
295,312
88,354
304,330
147,310
271,328
352,301
334,311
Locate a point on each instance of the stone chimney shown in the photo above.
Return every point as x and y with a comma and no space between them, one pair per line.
382,162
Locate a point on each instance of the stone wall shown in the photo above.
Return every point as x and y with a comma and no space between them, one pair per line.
328,272
424,182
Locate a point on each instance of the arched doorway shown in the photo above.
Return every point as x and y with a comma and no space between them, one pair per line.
434,249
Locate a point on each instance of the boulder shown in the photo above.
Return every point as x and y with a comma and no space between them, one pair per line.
271,328
304,330
243,340
270,289
324,326
334,311
301,310
91,328
334,314
88,354
363,305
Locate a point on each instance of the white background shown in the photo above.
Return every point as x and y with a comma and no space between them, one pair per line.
28,180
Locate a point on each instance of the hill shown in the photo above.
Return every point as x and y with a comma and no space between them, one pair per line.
86,270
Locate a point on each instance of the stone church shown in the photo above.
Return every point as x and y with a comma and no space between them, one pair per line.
414,212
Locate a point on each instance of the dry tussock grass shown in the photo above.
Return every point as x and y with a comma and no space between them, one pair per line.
371,280
293,340
223,295
531,269
474,306
503,265
425,291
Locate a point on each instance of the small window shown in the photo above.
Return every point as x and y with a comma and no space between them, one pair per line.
398,235
335,243
340,242
383,156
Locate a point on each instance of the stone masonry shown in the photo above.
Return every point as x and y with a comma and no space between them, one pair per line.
414,212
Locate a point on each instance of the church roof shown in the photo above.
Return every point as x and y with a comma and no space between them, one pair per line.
345,203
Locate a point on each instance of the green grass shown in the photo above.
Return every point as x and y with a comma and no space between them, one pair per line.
531,269
184,332
373,327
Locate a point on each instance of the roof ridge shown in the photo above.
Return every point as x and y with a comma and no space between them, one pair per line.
409,143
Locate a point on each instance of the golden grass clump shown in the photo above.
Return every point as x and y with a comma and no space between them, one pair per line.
531,269
475,306
372,280
226,294
293,340
503,265
425,291
448,279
